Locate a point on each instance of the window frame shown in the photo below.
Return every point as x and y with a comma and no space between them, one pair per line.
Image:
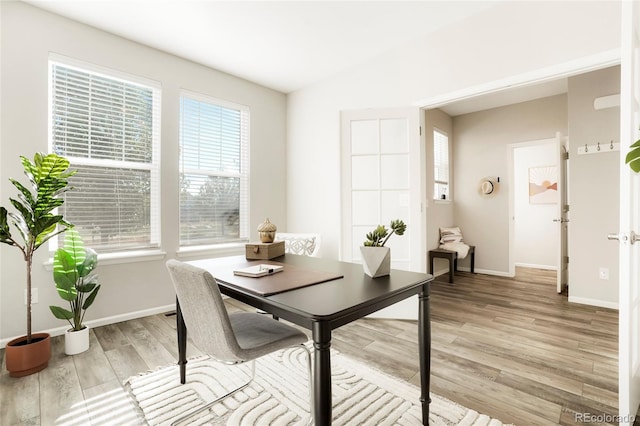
436,181
153,247
222,246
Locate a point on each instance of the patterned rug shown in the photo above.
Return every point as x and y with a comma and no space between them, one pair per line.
279,395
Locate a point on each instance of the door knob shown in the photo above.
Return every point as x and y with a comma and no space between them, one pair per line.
632,237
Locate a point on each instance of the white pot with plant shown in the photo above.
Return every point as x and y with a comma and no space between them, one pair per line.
376,258
76,282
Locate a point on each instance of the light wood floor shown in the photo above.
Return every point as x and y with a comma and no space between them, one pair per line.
509,348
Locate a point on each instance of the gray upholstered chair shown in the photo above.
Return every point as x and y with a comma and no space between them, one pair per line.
231,338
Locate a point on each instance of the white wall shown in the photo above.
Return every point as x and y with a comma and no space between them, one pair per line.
27,36
439,212
511,39
594,194
535,233
481,141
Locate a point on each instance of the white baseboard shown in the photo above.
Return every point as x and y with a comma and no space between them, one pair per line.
593,302
102,321
476,270
534,266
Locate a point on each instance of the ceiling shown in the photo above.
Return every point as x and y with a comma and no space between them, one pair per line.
284,45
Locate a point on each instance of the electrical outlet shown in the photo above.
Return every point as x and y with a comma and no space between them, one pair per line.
604,273
34,296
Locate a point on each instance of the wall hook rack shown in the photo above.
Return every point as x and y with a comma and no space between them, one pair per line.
598,148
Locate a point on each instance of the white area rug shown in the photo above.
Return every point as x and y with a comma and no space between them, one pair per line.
279,395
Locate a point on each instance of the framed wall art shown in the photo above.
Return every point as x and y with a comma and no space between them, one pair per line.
543,185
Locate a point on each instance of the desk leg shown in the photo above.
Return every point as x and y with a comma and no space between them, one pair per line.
424,340
182,343
322,374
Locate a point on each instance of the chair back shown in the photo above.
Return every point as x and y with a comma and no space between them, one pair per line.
204,312
305,244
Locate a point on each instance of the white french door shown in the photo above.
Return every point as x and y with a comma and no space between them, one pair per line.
629,302
382,180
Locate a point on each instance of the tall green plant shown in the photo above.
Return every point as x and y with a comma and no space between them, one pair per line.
73,266
33,217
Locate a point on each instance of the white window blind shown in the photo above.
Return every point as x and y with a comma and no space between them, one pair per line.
214,171
440,165
109,129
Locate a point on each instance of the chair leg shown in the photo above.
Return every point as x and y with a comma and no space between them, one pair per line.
215,401
310,383
253,375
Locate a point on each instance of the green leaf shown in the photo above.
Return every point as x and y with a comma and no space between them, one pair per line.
25,212
28,196
89,300
61,313
45,225
633,157
65,275
37,159
29,169
87,287
89,264
398,227
5,231
74,245
21,226
46,165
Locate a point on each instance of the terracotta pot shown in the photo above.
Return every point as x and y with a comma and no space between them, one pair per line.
23,359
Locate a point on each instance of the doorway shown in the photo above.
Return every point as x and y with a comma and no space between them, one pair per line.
381,181
538,229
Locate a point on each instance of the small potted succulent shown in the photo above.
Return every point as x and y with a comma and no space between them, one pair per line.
76,282
376,257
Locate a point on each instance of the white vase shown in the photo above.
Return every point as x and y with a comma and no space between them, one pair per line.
76,342
376,261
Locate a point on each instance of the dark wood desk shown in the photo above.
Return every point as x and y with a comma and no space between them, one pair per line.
327,306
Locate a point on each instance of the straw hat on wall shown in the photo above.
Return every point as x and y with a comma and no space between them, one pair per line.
488,186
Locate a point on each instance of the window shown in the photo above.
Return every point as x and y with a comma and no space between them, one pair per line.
214,171
440,165
108,128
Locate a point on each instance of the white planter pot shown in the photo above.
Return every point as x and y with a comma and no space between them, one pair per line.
76,342
376,261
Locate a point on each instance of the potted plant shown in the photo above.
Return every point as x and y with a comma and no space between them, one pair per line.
73,266
376,257
36,224
633,157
